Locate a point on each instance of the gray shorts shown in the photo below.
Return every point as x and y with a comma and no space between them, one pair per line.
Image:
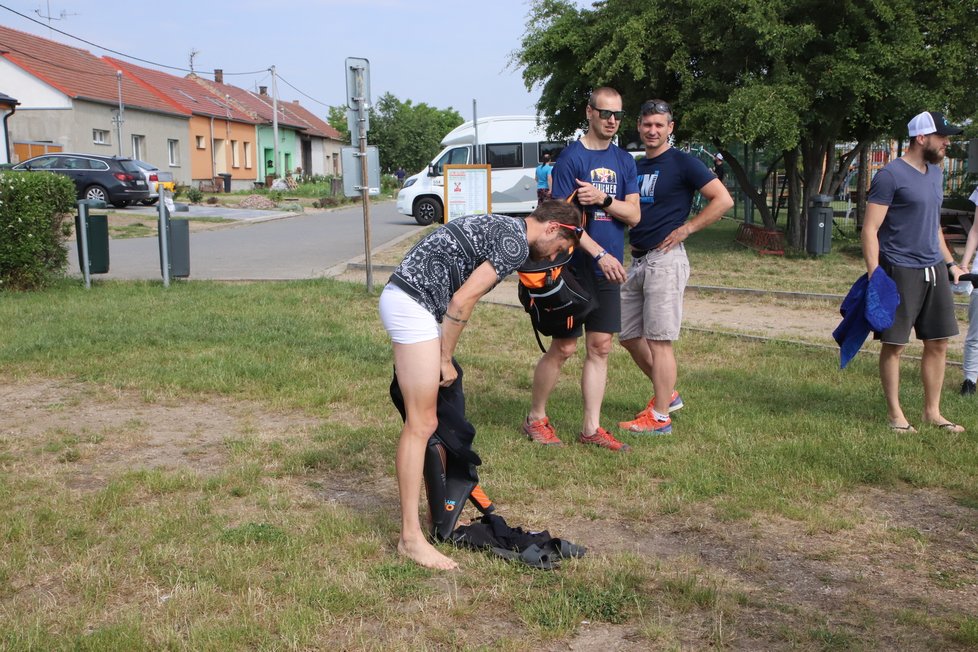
926,304
652,296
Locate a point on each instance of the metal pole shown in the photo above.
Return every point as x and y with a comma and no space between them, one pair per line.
164,236
276,165
83,233
364,180
475,125
119,121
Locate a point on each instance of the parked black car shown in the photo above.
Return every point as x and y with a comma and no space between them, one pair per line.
113,179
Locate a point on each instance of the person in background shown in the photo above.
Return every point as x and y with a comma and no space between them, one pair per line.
902,235
718,168
969,261
601,178
400,174
543,178
652,297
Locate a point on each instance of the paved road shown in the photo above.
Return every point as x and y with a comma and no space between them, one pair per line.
263,246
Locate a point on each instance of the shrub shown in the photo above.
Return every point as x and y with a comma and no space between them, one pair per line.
179,189
34,212
195,195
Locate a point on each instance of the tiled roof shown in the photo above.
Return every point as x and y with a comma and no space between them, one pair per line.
183,92
251,103
77,73
317,125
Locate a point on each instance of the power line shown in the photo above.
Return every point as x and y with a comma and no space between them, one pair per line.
301,93
121,54
153,63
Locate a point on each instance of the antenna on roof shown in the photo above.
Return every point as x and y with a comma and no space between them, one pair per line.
193,53
63,15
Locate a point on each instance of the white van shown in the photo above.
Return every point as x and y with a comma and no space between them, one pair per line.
511,144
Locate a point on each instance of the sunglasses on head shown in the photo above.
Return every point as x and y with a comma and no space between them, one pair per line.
604,114
655,106
578,230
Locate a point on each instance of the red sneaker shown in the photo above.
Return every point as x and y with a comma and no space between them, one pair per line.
541,432
646,422
604,439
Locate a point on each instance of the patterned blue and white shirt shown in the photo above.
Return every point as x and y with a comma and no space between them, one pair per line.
438,265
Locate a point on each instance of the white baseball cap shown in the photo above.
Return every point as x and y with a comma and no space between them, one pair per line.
931,122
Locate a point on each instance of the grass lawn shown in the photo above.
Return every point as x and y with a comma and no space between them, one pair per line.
210,467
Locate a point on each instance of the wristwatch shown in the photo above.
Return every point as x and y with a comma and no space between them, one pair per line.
607,201
601,254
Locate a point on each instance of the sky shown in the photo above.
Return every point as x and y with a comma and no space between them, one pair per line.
445,54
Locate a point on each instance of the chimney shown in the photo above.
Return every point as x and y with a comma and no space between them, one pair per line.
263,90
218,76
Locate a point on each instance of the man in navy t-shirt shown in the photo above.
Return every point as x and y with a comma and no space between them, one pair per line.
652,297
603,177
902,234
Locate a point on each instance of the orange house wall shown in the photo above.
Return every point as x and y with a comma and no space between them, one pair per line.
200,159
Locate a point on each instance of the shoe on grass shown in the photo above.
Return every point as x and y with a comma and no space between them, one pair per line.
967,388
541,432
647,423
604,439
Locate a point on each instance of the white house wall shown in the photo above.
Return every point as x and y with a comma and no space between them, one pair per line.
30,91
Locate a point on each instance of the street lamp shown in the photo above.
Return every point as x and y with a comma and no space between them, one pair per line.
119,118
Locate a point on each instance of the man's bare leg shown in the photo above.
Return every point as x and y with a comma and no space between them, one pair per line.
418,369
594,378
890,379
664,373
547,372
932,365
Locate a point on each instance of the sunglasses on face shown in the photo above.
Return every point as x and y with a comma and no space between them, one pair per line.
578,230
655,106
604,114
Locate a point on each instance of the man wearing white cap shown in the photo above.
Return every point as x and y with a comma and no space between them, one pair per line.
902,234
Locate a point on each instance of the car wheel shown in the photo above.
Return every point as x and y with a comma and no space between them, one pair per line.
120,204
149,202
97,193
427,211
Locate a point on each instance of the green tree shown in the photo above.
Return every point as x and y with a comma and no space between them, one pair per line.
406,134
336,117
793,77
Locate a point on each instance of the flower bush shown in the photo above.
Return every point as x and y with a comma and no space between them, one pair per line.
35,209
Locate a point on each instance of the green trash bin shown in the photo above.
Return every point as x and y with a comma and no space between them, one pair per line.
97,227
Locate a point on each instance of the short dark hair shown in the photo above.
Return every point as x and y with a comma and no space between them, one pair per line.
555,210
652,107
545,158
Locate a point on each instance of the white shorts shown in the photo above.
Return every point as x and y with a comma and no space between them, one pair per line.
404,319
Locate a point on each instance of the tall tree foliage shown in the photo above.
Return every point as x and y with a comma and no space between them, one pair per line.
791,76
406,134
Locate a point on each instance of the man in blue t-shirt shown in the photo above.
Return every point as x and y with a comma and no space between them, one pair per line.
652,297
543,178
902,234
603,177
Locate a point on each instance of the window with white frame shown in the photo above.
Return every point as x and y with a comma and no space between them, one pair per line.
173,151
235,159
101,137
201,142
138,147
247,154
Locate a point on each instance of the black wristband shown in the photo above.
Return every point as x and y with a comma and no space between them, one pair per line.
607,201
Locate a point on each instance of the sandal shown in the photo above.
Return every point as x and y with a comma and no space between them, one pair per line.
949,427
907,428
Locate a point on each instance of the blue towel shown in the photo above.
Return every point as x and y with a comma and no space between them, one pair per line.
869,306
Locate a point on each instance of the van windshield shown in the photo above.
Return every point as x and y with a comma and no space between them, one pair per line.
454,156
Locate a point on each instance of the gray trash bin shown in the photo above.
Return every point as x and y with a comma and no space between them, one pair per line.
179,248
819,233
227,181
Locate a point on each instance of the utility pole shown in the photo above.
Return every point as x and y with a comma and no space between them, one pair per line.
275,119
119,119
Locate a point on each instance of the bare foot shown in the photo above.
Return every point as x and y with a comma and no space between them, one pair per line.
425,554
